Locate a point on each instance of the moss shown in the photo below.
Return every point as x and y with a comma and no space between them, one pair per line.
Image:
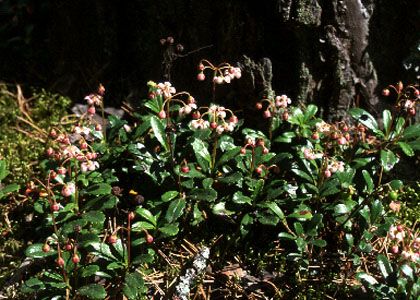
22,150
308,12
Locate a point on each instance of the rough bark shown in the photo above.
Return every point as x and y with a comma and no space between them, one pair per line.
330,52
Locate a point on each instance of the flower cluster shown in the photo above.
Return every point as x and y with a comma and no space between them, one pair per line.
406,243
309,153
216,119
333,167
95,99
276,107
166,89
407,97
223,73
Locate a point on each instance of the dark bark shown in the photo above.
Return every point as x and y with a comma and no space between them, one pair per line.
330,52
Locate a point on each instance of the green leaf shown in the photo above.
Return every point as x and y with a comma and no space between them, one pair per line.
35,251
406,148
99,189
408,271
319,243
302,174
412,131
96,217
275,209
384,265
330,187
169,230
240,198
298,228
368,180
159,131
399,125
366,278
141,225
287,236
220,209
133,286
90,270
341,209
304,214
175,210
153,105
102,250
366,119
168,196
387,117
3,170
209,195
376,210
32,285
202,154
286,137
388,159
146,214
310,112
228,156
8,189
92,291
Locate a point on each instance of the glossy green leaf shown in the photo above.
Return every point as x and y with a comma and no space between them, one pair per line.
97,217
376,210
287,236
341,209
169,230
330,187
298,228
227,156
285,137
141,226
310,111
202,154
89,270
133,286
408,271
175,210
99,189
388,159
406,148
239,198
35,251
319,243
412,131
92,291
384,265
159,131
168,196
147,215
366,119
3,170
275,209
32,285
366,278
209,195
8,189
302,174
368,180
387,118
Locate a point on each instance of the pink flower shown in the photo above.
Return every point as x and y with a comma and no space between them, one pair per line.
68,189
166,89
199,124
395,206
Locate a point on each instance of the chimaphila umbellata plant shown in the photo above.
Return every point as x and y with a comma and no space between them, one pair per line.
118,200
